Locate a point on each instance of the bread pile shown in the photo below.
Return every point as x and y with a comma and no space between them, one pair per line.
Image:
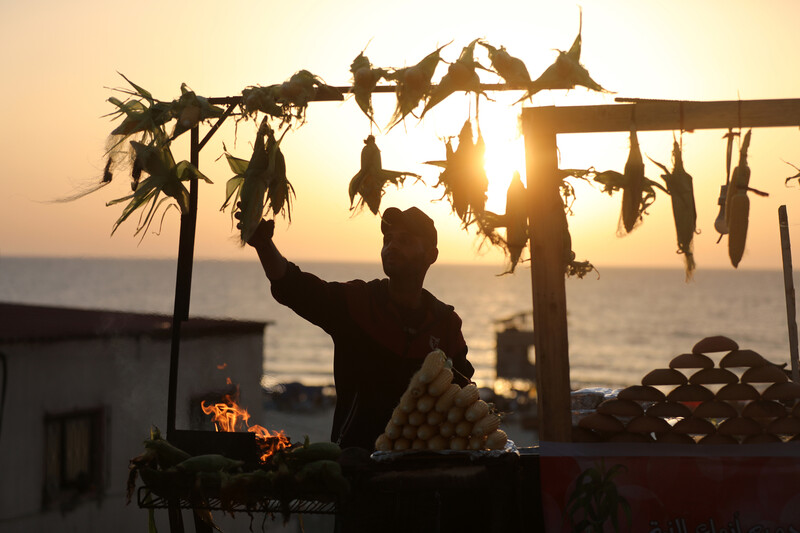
743,399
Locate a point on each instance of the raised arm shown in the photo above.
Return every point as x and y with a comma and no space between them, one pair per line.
273,263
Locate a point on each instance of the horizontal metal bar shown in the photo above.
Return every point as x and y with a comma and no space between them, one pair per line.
486,87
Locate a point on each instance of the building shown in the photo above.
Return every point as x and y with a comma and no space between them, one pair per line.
79,391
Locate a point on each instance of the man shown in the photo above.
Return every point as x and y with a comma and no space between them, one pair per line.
381,329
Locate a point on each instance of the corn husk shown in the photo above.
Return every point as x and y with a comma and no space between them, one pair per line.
413,85
684,213
460,76
371,179
260,184
191,109
510,68
365,78
463,176
565,73
165,177
632,205
516,221
737,205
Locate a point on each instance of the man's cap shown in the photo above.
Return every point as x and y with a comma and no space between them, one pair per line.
412,220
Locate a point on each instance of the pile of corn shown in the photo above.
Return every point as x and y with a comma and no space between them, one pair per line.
436,414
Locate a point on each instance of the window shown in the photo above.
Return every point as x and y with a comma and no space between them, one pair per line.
73,455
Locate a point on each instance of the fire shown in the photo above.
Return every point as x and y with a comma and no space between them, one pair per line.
228,414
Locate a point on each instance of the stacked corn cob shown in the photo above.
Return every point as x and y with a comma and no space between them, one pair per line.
436,414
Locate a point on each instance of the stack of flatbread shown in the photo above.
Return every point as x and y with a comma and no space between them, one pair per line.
743,398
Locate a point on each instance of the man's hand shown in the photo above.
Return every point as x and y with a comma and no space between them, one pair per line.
272,261
263,232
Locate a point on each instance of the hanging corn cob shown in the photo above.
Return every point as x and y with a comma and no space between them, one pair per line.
632,189
288,100
248,188
464,177
737,205
679,187
261,99
144,115
565,73
259,182
365,78
510,68
613,181
413,85
460,76
720,223
279,191
164,176
516,220
371,178
191,109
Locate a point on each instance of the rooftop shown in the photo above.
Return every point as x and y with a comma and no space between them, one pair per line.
23,322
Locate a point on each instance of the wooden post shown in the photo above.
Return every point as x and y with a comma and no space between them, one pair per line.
788,284
547,223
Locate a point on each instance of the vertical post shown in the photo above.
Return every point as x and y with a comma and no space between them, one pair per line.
183,281
788,284
549,250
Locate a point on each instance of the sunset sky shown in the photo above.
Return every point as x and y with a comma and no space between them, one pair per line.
61,59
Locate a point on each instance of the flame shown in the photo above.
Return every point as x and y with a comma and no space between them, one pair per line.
222,366
228,414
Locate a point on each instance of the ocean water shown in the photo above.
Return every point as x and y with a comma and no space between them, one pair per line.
621,325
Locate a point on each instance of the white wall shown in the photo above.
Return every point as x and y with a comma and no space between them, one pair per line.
128,377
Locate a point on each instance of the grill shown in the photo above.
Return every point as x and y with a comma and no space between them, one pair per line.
416,491
265,503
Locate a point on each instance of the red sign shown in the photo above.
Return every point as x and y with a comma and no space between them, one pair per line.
671,488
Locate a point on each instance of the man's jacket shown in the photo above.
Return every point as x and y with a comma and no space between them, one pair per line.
376,351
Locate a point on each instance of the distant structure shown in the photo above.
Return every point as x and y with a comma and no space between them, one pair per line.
514,342
80,391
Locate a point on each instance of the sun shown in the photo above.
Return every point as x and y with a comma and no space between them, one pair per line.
505,154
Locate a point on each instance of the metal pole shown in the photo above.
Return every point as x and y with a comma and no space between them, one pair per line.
183,282
788,284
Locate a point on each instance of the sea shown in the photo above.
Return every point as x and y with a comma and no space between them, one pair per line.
622,322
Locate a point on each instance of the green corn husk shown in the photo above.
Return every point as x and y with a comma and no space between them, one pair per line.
260,184
164,177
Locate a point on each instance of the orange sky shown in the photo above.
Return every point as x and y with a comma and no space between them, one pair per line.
59,59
